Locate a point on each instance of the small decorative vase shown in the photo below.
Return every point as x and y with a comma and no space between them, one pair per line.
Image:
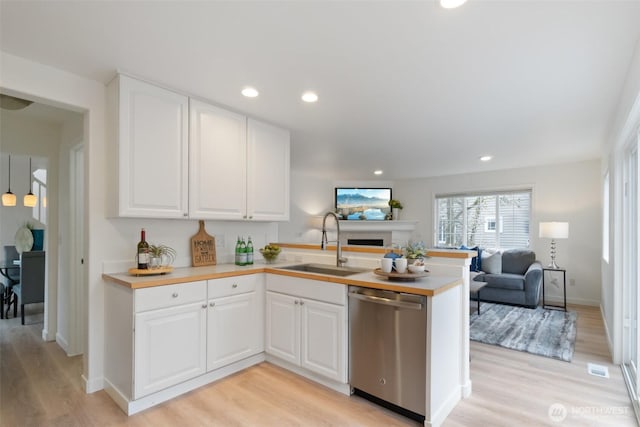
38,240
395,214
155,262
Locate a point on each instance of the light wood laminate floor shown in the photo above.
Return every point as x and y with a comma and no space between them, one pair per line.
41,386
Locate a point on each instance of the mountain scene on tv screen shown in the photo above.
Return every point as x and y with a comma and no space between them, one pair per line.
360,206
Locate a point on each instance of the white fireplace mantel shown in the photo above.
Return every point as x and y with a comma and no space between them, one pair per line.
364,225
356,225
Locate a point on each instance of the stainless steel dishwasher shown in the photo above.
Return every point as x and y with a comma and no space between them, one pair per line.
388,348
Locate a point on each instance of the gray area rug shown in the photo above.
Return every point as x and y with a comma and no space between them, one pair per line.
550,333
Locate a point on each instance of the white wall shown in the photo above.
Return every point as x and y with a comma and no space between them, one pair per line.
626,124
311,196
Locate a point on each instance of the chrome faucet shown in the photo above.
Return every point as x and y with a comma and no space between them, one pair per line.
340,260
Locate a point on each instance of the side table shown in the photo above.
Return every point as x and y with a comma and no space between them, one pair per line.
474,289
564,288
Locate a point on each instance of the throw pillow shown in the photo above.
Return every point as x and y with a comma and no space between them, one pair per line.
492,262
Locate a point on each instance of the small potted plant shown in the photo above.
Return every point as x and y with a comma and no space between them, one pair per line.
161,256
415,251
395,206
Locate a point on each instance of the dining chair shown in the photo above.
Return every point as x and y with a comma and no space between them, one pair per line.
7,284
11,254
30,290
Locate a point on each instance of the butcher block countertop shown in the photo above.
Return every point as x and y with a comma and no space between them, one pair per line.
428,286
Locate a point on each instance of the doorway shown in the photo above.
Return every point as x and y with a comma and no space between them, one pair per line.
55,135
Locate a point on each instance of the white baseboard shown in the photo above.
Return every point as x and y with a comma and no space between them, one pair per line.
444,410
558,300
466,389
46,336
146,402
92,385
62,343
334,385
607,333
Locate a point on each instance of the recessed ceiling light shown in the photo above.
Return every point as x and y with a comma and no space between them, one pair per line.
309,97
451,4
378,172
485,158
250,92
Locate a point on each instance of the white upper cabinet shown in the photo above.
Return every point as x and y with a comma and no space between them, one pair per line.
218,163
152,150
183,158
239,167
268,172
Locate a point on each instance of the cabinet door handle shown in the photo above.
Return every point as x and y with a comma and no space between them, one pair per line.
296,302
212,304
235,285
301,302
175,295
185,214
204,305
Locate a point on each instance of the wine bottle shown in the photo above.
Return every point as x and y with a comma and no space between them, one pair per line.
238,252
143,252
249,252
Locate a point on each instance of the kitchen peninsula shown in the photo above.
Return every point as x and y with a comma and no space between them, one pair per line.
168,334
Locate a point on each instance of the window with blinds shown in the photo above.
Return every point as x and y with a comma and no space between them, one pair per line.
489,220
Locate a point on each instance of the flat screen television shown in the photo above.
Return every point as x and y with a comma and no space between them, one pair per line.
363,203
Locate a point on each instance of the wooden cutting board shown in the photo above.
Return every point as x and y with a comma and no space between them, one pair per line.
203,248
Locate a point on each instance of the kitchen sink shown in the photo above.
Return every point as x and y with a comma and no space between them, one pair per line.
324,269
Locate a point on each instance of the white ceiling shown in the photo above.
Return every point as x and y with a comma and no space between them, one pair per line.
406,87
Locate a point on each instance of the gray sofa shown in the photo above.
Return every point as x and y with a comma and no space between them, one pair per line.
517,282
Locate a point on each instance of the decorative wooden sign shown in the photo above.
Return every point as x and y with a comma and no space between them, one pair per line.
203,248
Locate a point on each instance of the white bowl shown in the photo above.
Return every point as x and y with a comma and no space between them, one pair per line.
415,268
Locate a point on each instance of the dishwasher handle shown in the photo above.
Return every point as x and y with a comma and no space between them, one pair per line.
386,301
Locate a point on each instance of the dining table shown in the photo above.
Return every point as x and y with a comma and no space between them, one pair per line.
7,296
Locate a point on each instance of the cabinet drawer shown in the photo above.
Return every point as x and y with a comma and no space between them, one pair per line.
333,293
170,295
232,285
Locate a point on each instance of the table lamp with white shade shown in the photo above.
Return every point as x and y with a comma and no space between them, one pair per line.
554,230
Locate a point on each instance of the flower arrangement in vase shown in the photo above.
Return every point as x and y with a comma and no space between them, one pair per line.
415,250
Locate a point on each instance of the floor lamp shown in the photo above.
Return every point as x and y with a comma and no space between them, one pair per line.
553,231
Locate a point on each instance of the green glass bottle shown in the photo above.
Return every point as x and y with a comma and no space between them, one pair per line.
249,252
243,253
237,261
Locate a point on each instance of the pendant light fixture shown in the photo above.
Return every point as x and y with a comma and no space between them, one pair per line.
30,199
8,198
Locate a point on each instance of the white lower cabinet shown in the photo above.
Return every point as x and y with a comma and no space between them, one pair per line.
170,336
234,321
170,347
283,327
307,332
163,341
322,338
